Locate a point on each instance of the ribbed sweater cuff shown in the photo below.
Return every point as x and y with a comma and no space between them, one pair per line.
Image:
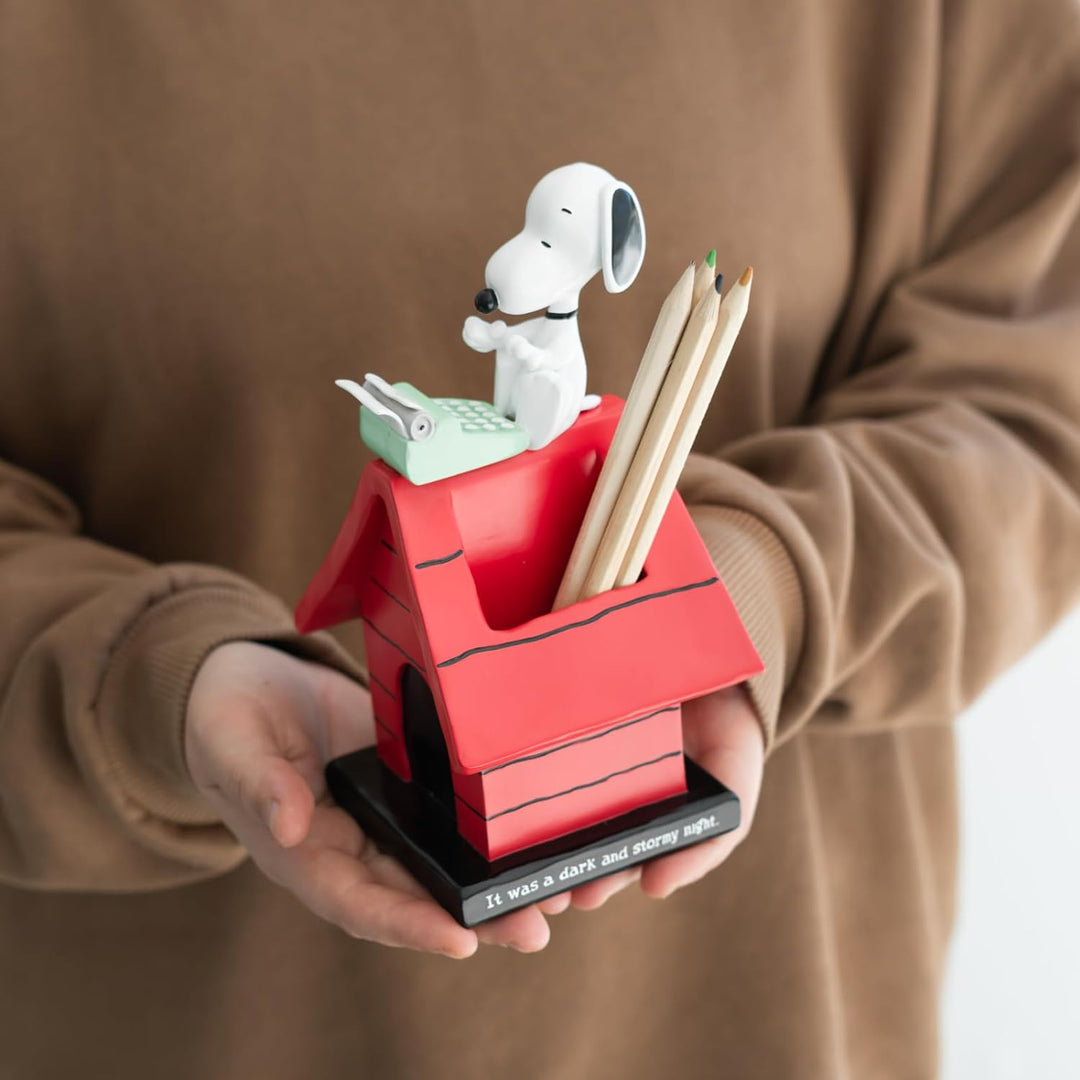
143,700
761,579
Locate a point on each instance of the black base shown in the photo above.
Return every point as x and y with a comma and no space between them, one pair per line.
408,822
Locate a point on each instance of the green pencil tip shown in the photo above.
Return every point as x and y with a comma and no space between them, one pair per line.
711,258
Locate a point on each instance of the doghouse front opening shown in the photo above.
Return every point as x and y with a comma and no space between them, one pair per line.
518,528
425,743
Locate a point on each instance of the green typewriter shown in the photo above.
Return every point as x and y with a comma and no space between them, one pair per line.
427,439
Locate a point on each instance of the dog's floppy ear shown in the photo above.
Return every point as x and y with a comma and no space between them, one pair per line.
622,231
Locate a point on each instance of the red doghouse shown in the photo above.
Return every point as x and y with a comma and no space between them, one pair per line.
527,724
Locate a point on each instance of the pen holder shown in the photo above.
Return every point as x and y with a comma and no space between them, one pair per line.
522,750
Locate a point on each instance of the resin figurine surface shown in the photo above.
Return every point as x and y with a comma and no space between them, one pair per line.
579,221
522,750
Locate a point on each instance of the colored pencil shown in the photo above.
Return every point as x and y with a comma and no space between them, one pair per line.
732,313
703,278
666,333
641,476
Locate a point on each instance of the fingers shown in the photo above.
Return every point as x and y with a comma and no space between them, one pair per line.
341,890
723,735
590,896
661,878
525,930
244,767
731,747
250,736
415,920
346,707
257,722
288,801
555,905
594,894
342,878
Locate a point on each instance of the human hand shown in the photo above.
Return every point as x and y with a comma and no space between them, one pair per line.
261,726
721,732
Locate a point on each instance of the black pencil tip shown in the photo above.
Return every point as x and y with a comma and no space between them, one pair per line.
718,282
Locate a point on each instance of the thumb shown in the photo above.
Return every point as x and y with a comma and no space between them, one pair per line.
282,800
241,763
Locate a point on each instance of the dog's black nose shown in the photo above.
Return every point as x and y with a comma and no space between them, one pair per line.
486,301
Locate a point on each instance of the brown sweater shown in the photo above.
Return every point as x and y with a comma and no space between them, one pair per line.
208,212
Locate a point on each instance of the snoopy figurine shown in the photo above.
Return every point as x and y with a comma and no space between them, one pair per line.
578,220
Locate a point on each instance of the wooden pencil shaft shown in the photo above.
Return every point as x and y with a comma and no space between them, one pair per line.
703,281
667,330
650,453
732,314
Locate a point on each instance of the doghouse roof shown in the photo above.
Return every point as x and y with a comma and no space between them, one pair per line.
512,690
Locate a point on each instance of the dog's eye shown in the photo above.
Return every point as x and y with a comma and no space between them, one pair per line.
545,243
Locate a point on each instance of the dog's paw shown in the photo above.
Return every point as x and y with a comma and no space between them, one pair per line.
525,352
480,335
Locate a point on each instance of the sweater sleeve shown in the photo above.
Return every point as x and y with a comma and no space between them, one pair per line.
98,649
920,528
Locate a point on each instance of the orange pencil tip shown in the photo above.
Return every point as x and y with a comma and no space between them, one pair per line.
747,274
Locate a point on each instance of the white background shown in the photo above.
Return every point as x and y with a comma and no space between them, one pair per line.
1012,997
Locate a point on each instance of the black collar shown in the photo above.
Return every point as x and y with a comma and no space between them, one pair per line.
560,314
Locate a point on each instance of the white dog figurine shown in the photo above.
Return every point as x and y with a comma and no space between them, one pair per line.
579,220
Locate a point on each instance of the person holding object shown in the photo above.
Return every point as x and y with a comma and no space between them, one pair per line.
208,216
